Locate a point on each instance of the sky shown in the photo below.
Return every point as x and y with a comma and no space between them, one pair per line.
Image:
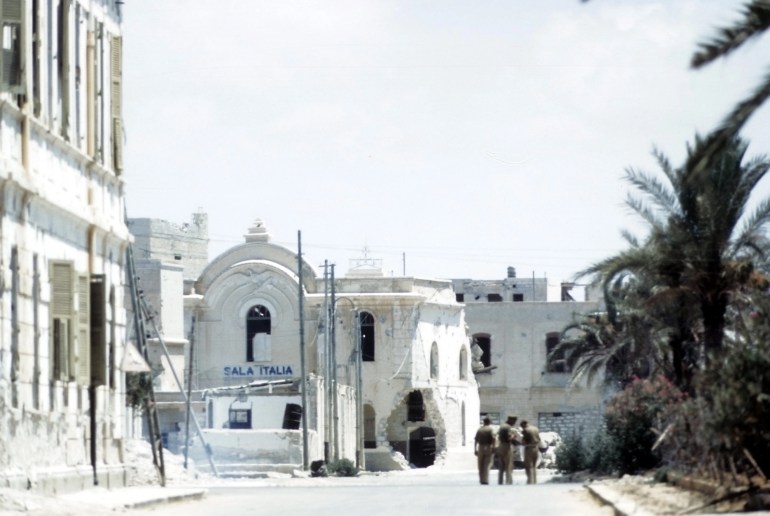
449,139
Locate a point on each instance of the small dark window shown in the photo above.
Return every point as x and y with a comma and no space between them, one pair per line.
177,257
460,298
518,297
494,298
366,321
292,416
240,419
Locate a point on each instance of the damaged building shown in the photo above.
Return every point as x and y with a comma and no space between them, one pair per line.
387,361
515,323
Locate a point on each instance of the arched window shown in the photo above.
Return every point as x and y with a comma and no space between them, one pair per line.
463,363
366,326
434,361
258,346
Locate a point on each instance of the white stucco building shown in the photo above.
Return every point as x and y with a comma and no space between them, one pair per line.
515,322
62,245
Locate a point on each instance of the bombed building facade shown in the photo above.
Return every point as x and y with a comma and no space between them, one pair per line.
385,372
515,323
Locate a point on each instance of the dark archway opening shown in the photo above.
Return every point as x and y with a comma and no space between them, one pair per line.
422,447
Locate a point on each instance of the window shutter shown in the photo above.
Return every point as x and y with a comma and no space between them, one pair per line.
61,286
11,59
98,331
64,66
116,76
117,148
61,308
83,359
37,65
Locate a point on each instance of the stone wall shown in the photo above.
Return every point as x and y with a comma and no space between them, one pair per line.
585,423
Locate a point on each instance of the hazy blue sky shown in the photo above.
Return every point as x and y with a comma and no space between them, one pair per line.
469,135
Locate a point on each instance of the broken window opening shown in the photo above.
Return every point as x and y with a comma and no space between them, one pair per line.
258,328
485,343
555,360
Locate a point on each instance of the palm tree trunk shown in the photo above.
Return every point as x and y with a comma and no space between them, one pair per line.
713,312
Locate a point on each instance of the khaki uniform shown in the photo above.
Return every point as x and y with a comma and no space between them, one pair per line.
485,448
505,453
531,442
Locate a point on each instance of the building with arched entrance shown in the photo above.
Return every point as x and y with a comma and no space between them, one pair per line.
386,365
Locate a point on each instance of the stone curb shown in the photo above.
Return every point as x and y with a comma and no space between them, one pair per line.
136,497
622,507
171,496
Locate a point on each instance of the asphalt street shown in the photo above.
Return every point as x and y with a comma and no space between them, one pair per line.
408,492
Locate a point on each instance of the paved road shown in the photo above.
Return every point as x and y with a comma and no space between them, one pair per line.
418,492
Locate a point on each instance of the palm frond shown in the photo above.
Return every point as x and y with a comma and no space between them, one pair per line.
660,194
729,127
755,20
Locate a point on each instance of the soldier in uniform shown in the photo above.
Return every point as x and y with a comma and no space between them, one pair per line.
505,443
484,448
531,441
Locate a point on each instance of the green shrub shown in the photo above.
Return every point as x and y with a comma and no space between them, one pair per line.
602,454
631,416
727,427
343,468
571,455
138,389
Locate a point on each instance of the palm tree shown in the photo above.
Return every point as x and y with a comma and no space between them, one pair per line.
754,21
620,344
701,251
647,328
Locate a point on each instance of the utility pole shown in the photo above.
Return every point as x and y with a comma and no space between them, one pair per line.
189,392
305,451
359,397
328,453
333,353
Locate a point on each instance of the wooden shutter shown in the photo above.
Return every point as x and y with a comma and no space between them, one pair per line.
11,38
116,109
61,289
83,359
37,66
61,308
98,332
64,66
